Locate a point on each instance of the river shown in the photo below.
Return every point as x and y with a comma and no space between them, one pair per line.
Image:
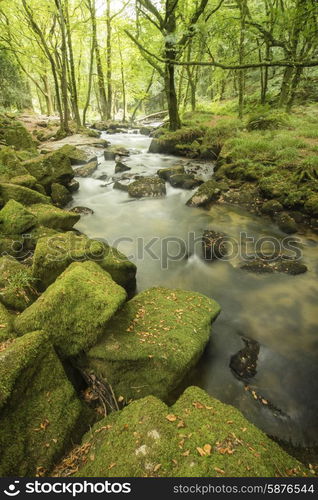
277,310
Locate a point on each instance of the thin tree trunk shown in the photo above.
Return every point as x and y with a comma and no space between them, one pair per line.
73,84
139,103
123,83
64,82
99,66
89,85
170,54
294,86
109,61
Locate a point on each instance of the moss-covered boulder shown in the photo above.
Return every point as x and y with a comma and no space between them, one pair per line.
77,156
197,437
40,413
26,180
13,133
54,217
60,195
17,285
54,254
147,187
50,168
74,309
150,345
166,173
311,205
86,170
15,218
9,158
12,244
21,194
6,324
208,192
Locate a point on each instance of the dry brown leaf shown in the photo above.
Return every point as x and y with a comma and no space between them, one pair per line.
220,471
201,451
171,417
157,467
207,448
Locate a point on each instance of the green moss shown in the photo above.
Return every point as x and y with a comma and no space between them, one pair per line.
26,180
150,345
21,194
74,309
54,217
55,253
17,285
147,187
50,168
311,205
12,245
40,413
13,133
60,195
15,218
206,193
268,121
198,437
6,324
77,156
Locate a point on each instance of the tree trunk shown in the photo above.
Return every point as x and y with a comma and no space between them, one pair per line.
294,86
99,67
109,61
73,83
89,85
123,83
170,55
286,86
64,83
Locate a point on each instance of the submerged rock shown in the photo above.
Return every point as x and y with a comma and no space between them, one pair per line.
197,437
54,217
73,186
150,345
75,309
244,363
40,413
147,187
166,173
121,167
279,264
17,285
55,253
112,152
120,186
184,181
82,210
214,245
16,219
286,223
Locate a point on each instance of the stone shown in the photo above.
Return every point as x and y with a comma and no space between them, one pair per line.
82,210
214,245
75,309
184,181
121,167
23,195
54,217
60,195
120,186
271,207
166,173
76,155
87,170
13,133
17,285
207,193
50,168
16,219
286,223
6,324
279,264
41,415
152,343
147,187
73,186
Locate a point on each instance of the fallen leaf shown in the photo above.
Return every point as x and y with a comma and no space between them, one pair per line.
207,448
220,471
171,417
157,467
112,465
201,451
186,453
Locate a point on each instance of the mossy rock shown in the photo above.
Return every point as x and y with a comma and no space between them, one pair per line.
271,207
15,218
9,158
26,180
150,345
178,142
76,156
40,413
197,437
286,223
13,133
17,285
60,195
208,192
166,173
54,217
54,254
311,205
147,187
6,324
74,309
22,194
50,168
12,244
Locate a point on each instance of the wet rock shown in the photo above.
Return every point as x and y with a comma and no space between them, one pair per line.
73,186
120,186
214,245
166,173
244,363
82,210
147,187
208,192
102,177
121,167
54,217
279,264
286,223
271,207
75,309
77,156
184,181
146,130
86,170
115,151
60,195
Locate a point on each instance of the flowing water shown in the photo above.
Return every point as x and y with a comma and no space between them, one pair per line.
277,310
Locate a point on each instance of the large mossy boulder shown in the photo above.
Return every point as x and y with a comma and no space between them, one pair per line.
13,133
77,156
75,309
21,194
150,345
6,324
207,193
50,168
16,219
60,195
40,413
197,437
17,285
54,254
54,217
166,173
147,187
